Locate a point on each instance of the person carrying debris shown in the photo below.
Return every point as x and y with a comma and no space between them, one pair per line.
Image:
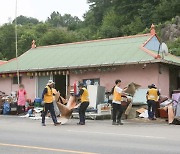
56,109
116,103
84,96
21,96
47,96
152,98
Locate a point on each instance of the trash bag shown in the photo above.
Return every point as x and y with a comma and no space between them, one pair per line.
37,102
6,108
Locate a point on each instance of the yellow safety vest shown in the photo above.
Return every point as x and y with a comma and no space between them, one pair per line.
48,97
116,95
85,96
153,94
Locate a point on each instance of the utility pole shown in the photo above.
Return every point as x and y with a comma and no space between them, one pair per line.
17,64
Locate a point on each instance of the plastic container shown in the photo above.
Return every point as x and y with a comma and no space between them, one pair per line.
6,108
37,102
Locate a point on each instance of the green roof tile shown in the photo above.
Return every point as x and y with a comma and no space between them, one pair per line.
84,54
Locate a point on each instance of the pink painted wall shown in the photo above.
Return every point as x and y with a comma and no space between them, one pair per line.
163,80
7,86
30,86
130,73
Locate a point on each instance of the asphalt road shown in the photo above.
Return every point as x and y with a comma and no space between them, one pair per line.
26,136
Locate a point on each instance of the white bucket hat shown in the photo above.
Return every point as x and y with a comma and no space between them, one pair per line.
50,82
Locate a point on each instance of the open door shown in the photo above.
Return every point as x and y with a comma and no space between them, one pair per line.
174,79
60,84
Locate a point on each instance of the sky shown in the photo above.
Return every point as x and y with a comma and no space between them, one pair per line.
41,9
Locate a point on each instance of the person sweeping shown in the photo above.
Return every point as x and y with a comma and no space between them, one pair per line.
47,96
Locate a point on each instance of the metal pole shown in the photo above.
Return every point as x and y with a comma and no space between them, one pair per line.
67,79
16,42
160,42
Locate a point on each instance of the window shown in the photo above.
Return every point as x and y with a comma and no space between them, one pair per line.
91,81
15,80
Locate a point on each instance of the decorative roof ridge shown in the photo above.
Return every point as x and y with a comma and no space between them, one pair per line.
156,56
174,56
169,62
149,52
98,40
150,39
6,62
3,62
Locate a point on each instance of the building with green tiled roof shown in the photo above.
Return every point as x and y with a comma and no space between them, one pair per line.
131,59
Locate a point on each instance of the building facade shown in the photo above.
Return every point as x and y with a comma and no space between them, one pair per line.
131,59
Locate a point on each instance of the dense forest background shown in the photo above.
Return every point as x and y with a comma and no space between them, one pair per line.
104,19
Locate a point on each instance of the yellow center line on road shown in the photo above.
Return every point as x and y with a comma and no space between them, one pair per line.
44,148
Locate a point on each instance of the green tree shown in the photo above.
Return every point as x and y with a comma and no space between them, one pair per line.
7,41
174,47
105,18
99,8
58,36
22,20
166,10
24,42
70,22
110,25
57,20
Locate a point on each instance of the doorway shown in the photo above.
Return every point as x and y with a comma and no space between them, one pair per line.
42,81
60,84
174,79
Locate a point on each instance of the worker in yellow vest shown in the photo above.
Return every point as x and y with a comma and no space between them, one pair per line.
84,96
47,97
152,98
116,103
